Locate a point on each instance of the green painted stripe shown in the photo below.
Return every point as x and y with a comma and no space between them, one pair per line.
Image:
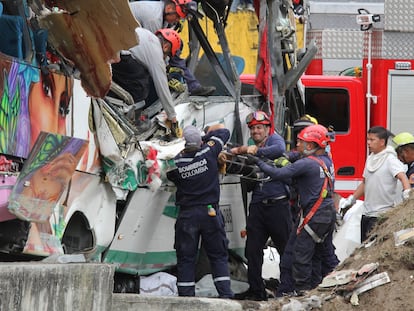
143,264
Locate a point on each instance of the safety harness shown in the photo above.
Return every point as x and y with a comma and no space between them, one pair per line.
322,196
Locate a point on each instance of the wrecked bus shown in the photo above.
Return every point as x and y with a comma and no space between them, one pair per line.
117,206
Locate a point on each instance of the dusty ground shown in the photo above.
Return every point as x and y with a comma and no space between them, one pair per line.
398,262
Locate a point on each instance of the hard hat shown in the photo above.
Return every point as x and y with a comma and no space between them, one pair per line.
402,139
257,117
310,118
304,121
180,7
171,36
315,133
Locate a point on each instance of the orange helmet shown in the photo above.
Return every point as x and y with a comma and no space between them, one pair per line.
257,117
315,133
171,36
180,7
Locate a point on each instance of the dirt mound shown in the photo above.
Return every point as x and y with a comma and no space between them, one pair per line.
396,261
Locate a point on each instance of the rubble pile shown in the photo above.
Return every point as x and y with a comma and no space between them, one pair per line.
379,275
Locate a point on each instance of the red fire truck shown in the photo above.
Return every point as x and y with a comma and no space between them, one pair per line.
376,87
379,92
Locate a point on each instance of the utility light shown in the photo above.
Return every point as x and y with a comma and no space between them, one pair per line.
367,19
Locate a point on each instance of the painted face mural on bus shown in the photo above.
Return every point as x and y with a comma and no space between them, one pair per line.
49,102
31,102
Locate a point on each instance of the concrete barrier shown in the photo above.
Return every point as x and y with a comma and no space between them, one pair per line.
133,302
51,287
39,286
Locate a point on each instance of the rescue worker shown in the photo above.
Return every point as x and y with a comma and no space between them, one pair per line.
142,70
197,196
154,15
405,151
313,174
328,259
298,126
269,211
381,174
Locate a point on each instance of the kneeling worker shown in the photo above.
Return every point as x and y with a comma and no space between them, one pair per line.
142,69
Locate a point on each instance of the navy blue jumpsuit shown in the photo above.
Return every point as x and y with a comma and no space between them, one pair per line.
269,216
410,174
300,267
198,188
329,260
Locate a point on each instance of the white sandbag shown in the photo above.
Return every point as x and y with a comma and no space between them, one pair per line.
348,237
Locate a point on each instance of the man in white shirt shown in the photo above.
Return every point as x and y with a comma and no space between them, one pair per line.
381,174
142,68
154,15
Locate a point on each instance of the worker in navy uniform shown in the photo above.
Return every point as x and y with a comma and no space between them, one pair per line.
198,192
298,126
314,175
269,211
329,260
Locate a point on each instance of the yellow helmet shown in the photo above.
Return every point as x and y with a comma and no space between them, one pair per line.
304,121
402,139
310,118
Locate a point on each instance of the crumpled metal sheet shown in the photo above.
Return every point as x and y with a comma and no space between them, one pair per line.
90,34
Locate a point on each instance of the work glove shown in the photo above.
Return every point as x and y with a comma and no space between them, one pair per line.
175,73
346,204
176,85
176,130
406,194
281,162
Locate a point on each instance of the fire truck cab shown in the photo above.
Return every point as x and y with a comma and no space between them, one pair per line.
378,60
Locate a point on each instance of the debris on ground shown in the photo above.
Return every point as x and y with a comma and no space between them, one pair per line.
385,271
376,276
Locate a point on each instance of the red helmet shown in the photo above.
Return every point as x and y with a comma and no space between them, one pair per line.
315,133
180,7
257,117
171,36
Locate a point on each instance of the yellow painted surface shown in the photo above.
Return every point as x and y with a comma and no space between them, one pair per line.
299,35
242,36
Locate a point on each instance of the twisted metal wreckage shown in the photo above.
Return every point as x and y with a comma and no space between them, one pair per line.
127,218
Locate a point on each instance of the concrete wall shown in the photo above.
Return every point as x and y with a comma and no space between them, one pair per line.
131,302
39,286
51,287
